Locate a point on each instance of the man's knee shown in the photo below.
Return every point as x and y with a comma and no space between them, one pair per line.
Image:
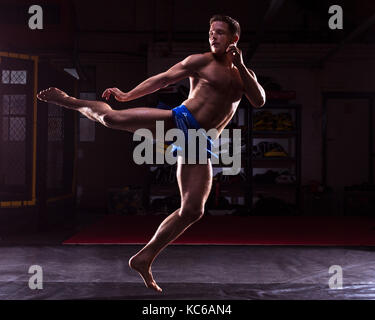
191,212
112,120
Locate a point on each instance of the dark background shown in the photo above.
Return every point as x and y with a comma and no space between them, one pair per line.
287,43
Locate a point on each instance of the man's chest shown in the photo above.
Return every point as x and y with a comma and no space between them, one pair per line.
225,80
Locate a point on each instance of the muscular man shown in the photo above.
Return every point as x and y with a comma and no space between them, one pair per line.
218,79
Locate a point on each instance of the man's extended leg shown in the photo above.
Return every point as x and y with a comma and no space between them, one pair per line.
195,184
128,119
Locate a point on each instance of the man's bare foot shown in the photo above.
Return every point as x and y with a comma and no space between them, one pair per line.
55,96
141,266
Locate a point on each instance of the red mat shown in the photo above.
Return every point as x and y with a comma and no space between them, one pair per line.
326,231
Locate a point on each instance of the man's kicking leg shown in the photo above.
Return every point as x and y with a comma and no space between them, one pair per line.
128,119
195,184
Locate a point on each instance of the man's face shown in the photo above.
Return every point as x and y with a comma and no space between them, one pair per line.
220,37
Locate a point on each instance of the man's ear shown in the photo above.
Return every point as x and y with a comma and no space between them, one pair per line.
235,39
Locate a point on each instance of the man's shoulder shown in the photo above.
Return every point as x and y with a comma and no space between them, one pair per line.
198,59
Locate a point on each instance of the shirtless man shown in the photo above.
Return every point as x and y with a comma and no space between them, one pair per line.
218,79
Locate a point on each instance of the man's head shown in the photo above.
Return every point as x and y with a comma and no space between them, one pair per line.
224,31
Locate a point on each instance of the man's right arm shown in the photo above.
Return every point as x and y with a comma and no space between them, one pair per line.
179,71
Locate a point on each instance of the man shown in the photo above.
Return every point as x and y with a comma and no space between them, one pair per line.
218,79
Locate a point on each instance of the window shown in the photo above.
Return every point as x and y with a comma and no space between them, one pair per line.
14,76
14,117
13,135
55,123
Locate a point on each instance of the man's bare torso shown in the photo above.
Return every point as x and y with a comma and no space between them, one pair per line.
215,92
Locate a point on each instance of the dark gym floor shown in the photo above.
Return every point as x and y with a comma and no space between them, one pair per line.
188,272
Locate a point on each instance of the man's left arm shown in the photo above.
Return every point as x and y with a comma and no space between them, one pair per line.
252,89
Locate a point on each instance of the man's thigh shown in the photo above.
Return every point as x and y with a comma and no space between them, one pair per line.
143,118
195,181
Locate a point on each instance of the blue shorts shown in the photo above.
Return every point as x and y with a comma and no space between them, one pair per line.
184,121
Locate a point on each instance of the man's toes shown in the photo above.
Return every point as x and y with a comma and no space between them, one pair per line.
156,287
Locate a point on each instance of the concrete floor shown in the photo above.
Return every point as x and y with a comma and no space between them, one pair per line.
188,272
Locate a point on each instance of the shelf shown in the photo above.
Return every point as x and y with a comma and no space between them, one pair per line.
259,187
274,134
279,106
233,190
273,162
249,190
220,165
239,189
163,190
